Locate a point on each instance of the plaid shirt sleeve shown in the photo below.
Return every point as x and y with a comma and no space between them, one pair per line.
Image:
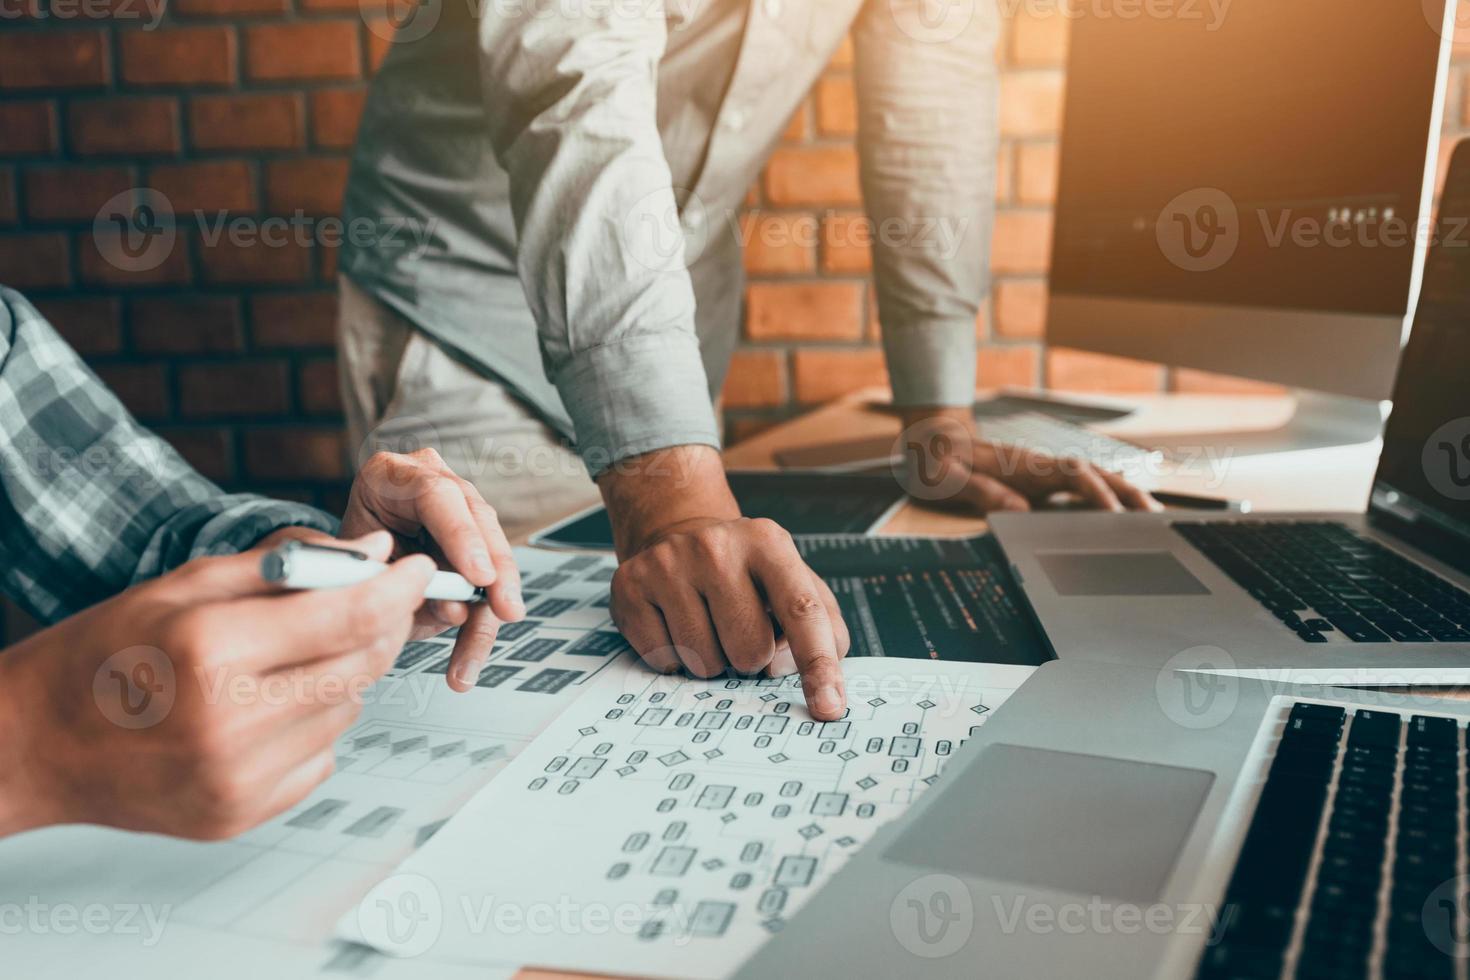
90,502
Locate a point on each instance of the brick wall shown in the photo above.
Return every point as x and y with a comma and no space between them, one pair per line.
250,106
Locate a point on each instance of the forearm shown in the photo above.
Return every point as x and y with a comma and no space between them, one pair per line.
600,246
650,495
928,185
23,804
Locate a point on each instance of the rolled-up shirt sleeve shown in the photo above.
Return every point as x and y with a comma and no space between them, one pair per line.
928,140
571,98
91,502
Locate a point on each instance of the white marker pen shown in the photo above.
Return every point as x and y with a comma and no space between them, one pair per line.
301,565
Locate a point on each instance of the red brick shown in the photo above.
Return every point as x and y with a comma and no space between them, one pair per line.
302,50
172,269
1074,370
184,56
124,126
29,128
1020,308
185,324
35,261
837,107
1040,35
1037,173
279,261
1204,383
842,57
72,193
216,185
246,122
1031,103
142,388
90,324
210,451
1005,173
847,244
779,244
227,8
313,186
804,311
317,383
334,116
757,379
1022,243
822,375
296,454
294,319
796,126
378,44
999,367
235,388
806,175
53,59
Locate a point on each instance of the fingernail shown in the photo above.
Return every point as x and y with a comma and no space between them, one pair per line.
468,674
513,598
827,700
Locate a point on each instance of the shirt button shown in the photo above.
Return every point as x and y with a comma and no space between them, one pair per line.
773,9
734,119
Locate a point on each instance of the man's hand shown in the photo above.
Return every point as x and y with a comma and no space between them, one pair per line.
702,588
944,463
199,704
427,508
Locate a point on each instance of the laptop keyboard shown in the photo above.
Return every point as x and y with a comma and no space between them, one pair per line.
1354,862
1324,581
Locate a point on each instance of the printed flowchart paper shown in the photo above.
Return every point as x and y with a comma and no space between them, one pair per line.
666,826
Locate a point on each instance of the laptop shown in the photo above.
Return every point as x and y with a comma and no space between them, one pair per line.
1114,822
1381,597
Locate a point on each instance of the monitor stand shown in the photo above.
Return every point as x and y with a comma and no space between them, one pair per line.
1319,421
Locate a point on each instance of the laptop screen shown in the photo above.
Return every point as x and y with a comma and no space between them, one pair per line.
1423,482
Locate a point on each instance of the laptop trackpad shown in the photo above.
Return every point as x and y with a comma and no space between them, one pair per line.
1084,573
1083,824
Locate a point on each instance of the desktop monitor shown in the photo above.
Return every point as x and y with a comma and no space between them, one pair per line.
1243,190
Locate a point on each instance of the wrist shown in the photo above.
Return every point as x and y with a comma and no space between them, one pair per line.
940,417
23,804
656,493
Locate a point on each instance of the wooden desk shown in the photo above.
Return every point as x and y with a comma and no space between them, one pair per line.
1320,480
